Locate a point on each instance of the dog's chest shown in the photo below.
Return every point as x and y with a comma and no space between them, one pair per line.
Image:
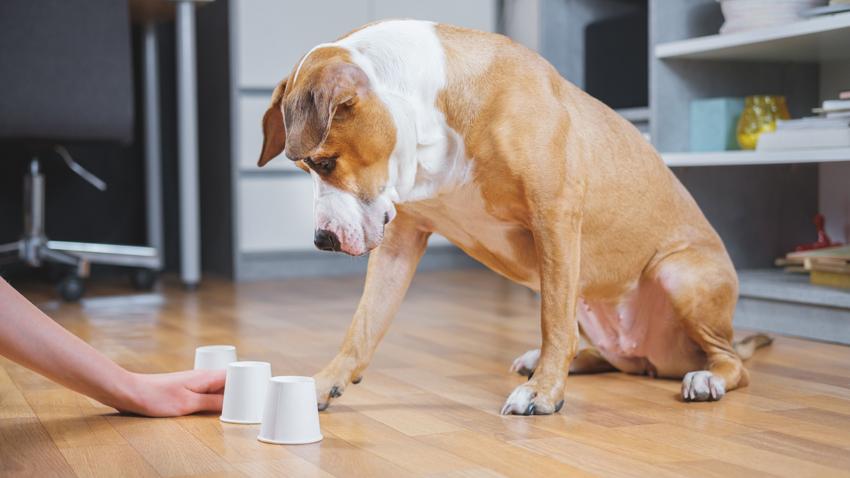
463,218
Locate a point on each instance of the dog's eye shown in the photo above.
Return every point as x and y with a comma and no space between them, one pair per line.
321,165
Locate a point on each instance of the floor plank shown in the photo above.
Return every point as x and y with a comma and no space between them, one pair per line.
26,450
169,448
72,420
12,401
108,461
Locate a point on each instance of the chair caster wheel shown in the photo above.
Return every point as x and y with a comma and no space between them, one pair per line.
144,279
71,288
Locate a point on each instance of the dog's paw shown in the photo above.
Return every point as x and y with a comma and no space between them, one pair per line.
526,400
526,363
326,393
702,386
328,388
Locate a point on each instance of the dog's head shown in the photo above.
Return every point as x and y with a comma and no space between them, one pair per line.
327,118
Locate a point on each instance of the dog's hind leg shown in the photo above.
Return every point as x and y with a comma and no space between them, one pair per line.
588,360
526,363
703,289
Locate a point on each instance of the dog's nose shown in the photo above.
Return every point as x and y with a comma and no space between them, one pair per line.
326,240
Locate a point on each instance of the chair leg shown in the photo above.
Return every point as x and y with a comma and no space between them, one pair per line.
80,264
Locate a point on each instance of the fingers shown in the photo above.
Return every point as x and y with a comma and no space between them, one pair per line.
206,381
207,402
207,388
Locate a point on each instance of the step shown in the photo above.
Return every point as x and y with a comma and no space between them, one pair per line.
782,303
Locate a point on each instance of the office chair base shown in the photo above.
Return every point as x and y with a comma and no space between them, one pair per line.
35,249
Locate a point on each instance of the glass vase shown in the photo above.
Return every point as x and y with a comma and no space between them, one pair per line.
760,115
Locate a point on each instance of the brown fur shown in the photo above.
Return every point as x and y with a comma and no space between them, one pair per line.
332,113
595,209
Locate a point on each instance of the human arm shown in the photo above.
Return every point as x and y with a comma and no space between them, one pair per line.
34,340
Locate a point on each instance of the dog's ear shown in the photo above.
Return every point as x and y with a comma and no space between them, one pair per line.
336,88
274,131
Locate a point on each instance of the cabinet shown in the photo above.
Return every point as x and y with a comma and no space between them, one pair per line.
269,210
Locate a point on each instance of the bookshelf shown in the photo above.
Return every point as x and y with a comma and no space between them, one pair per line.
761,203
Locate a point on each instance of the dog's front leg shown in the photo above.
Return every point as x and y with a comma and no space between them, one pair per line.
557,240
390,270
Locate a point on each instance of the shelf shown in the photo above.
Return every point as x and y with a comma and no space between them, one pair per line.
821,38
776,285
737,158
778,303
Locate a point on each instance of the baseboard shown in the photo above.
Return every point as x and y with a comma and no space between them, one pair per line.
288,265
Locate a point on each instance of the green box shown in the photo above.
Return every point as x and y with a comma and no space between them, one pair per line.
714,122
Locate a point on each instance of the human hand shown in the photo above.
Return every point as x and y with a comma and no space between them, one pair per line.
175,394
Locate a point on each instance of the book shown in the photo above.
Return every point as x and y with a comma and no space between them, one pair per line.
790,139
814,122
830,279
829,266
837,252
836,268
829,105
838,114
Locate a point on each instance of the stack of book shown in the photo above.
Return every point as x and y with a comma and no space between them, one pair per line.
830,129
829,266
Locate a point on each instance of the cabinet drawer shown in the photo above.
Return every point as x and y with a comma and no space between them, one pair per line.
276,213
272,35
249,128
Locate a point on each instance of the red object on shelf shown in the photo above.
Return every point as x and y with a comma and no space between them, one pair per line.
823,239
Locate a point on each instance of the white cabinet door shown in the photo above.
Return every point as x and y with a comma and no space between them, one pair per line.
275,213
252,107
477,14
271,35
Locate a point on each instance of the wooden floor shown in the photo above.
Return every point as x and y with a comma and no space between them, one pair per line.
429,404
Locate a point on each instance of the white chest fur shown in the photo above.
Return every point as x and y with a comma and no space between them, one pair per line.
462,217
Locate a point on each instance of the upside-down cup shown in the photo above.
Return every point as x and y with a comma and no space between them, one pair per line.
291,416
214,357
245,391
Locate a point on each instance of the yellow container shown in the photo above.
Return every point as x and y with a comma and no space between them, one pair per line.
760,115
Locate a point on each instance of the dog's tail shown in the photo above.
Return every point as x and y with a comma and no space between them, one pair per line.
748,345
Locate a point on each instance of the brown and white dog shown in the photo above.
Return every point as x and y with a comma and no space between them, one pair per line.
410,127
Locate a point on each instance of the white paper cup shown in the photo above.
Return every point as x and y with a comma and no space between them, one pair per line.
214,357
245,392
291,416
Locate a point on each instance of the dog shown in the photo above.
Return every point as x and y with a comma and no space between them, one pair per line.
410,127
